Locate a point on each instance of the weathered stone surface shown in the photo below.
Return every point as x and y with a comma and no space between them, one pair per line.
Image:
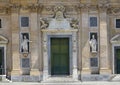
75,22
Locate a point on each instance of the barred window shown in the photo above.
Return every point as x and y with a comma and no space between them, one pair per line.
93,21
24,21
117,23
0,23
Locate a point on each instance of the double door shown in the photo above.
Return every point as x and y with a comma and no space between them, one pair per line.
59,56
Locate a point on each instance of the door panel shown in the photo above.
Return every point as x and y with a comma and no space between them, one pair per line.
117,60
59,56
2,70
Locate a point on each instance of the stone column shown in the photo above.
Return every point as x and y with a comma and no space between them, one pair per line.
85,41
16,71
75,67
104,57
34,46
45,57
79,38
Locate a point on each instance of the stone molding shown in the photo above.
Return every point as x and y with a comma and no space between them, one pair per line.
3,40
38,7
115,39
114,11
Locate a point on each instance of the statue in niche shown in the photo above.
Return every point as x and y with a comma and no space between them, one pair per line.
93,44
74,24
43,23
24,44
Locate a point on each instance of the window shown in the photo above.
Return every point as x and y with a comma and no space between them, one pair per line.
0,23
93,21
117,23
24,21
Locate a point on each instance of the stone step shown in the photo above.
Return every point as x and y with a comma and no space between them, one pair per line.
60,80
115,77
4,79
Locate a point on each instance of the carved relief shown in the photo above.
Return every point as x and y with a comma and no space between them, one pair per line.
74,23
43,23
114,11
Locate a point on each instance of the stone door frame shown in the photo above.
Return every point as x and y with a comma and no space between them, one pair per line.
46,33
70,49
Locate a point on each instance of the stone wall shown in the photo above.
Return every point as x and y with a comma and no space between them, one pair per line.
82,10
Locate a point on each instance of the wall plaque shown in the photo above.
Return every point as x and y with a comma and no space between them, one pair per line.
94,62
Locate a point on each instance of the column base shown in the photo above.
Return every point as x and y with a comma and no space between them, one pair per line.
34,72
86,71
75,74
16,72
105,71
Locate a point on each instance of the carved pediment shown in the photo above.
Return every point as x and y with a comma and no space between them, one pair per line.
59,20
3,40
115,39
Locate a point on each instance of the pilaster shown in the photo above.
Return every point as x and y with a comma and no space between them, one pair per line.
75,67
104,55
15,42
34,44
84,40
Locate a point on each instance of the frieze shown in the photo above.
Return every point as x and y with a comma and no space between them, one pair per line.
4,10
15,7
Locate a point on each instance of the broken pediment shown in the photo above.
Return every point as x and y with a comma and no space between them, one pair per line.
59,21
3,40
115,39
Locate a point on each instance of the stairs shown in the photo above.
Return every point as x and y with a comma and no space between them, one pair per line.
4,79
62,79
115,77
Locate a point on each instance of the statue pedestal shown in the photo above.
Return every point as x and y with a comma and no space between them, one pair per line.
105,71
16,72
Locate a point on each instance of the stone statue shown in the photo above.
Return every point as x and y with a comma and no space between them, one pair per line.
43,24
93,44
24,44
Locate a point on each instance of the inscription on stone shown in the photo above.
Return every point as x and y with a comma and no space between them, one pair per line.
94,62
25,63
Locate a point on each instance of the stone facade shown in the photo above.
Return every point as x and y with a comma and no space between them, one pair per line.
76,24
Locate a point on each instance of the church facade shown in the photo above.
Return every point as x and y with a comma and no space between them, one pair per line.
43,39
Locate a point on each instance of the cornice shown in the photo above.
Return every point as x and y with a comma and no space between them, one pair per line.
35,7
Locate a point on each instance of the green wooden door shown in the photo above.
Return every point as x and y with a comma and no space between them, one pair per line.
59,56
117,60
2,70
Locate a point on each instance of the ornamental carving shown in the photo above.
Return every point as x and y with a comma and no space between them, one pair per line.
74,23
43,23
115,11
59,20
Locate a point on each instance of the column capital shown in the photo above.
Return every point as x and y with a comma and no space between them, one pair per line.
103,7
15,7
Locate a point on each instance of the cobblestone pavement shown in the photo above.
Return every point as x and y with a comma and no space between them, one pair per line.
78,83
